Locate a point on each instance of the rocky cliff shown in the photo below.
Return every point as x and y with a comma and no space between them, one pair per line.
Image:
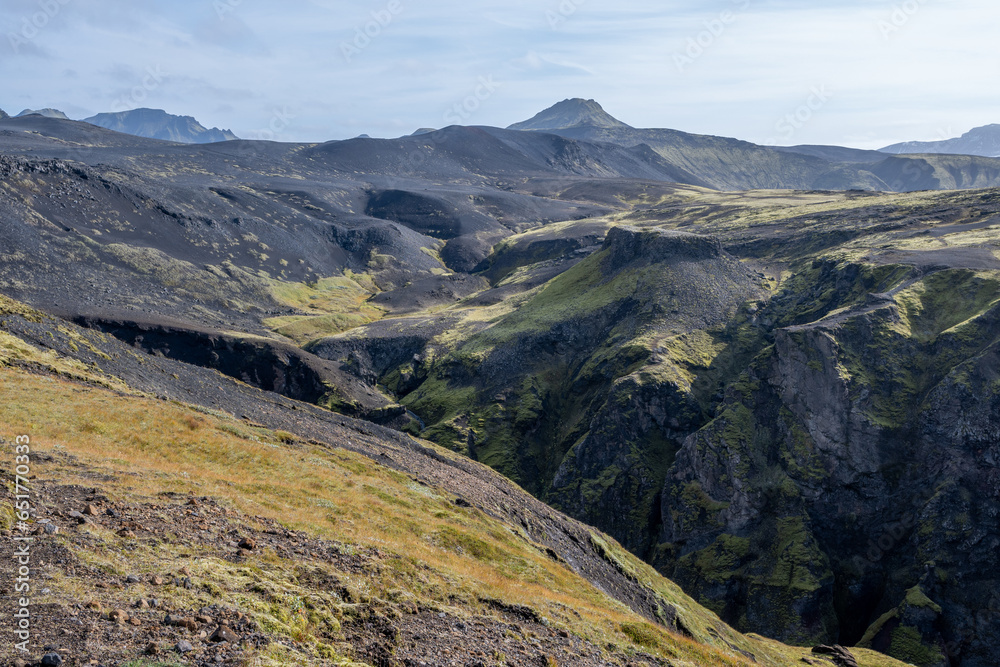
793,417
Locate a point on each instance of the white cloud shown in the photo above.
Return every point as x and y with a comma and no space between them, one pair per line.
907,82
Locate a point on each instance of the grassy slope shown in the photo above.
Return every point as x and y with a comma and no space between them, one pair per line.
436,553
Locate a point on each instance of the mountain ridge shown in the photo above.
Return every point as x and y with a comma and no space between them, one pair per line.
158,124
983,141
47,112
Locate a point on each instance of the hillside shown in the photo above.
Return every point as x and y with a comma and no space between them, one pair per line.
152,500
47,113
570,113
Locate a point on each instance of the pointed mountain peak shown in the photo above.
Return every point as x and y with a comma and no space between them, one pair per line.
570,113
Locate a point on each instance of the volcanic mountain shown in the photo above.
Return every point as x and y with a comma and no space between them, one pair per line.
570,113
158,124
731,164
48,113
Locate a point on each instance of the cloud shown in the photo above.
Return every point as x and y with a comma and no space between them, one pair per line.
546,65
757,61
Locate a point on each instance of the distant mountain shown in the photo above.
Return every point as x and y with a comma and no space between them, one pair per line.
983,141
571,113
723,163
158,124
3,114
47,112
834,153
716,162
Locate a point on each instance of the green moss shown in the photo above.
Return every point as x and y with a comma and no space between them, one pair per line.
947,299
593,490
907,645
387,498
328,306
796,557
821,286
915,597
876,627
642,634
696,508
719,563
463,542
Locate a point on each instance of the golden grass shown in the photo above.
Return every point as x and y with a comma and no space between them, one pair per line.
438,553
328,306
153,446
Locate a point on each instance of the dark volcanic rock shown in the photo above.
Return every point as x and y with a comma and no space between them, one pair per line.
841,656
631,244
845,488
267,364
224,634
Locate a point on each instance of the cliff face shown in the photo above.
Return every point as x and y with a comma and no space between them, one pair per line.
810,451
847,486
582,392
816,466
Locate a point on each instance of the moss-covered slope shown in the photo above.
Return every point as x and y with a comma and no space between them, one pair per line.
582,390
799,452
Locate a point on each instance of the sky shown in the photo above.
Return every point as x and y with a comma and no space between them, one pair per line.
860,73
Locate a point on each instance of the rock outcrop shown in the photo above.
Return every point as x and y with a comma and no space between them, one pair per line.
848,486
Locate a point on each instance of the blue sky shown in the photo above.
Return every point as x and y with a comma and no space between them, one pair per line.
863,73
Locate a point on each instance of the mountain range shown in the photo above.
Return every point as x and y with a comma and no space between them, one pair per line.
586,119
149,123
983,141
724,163
573,394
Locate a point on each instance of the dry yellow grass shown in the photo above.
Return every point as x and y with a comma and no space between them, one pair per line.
152,446
439,553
